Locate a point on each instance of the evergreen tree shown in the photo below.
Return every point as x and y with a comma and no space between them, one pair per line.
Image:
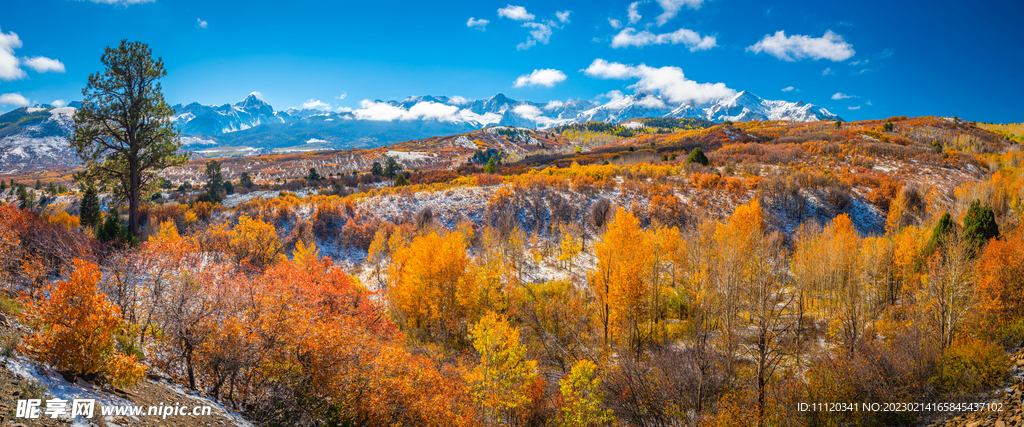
401,181
980,225
39,185
214,177
89,213
245,181
3,185
113,231
26,199
214,183
313,175
697,156
123,130
941,229
377,169
491,166
390,167
229,188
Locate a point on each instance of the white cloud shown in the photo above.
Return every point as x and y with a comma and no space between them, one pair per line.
671,8
59,103
692,39
651,102
9,64
433,110
634,15
477,23
344,110
517,13
458,100
381,111
534,114
840,95
14,99
43,64
609,70
853,107
788,89
315,104
257,94
554,104
869,104
669,82
615,23
201,23
540,33
546,77
827,71
831,46
563,16
342,96
614,94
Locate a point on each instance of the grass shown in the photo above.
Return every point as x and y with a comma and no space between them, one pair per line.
9,305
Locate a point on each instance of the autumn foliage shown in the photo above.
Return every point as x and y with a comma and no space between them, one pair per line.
78,330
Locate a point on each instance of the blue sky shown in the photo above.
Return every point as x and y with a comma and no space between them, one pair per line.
862,60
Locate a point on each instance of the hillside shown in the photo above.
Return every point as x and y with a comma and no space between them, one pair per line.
646,267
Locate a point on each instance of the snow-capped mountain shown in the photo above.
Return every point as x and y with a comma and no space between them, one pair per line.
201,119
741,107
35,136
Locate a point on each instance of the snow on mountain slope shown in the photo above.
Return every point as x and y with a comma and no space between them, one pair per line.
201,119
743,106
37,136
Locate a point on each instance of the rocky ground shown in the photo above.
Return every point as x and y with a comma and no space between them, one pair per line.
1008,408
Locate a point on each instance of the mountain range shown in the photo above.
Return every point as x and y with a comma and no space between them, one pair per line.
36,136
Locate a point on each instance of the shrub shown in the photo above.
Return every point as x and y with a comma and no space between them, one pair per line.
254,242
697,156
77,328
115,232
971,366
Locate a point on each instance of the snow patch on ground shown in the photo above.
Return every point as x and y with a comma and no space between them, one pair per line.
465,142
192,140
405,156
58,387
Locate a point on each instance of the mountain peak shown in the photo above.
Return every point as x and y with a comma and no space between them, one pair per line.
251,101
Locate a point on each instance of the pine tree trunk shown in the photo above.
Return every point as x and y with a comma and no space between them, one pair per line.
133,197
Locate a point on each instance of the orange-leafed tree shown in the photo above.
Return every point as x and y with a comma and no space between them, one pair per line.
1001,286
77,329
622,282
432,286
326,352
